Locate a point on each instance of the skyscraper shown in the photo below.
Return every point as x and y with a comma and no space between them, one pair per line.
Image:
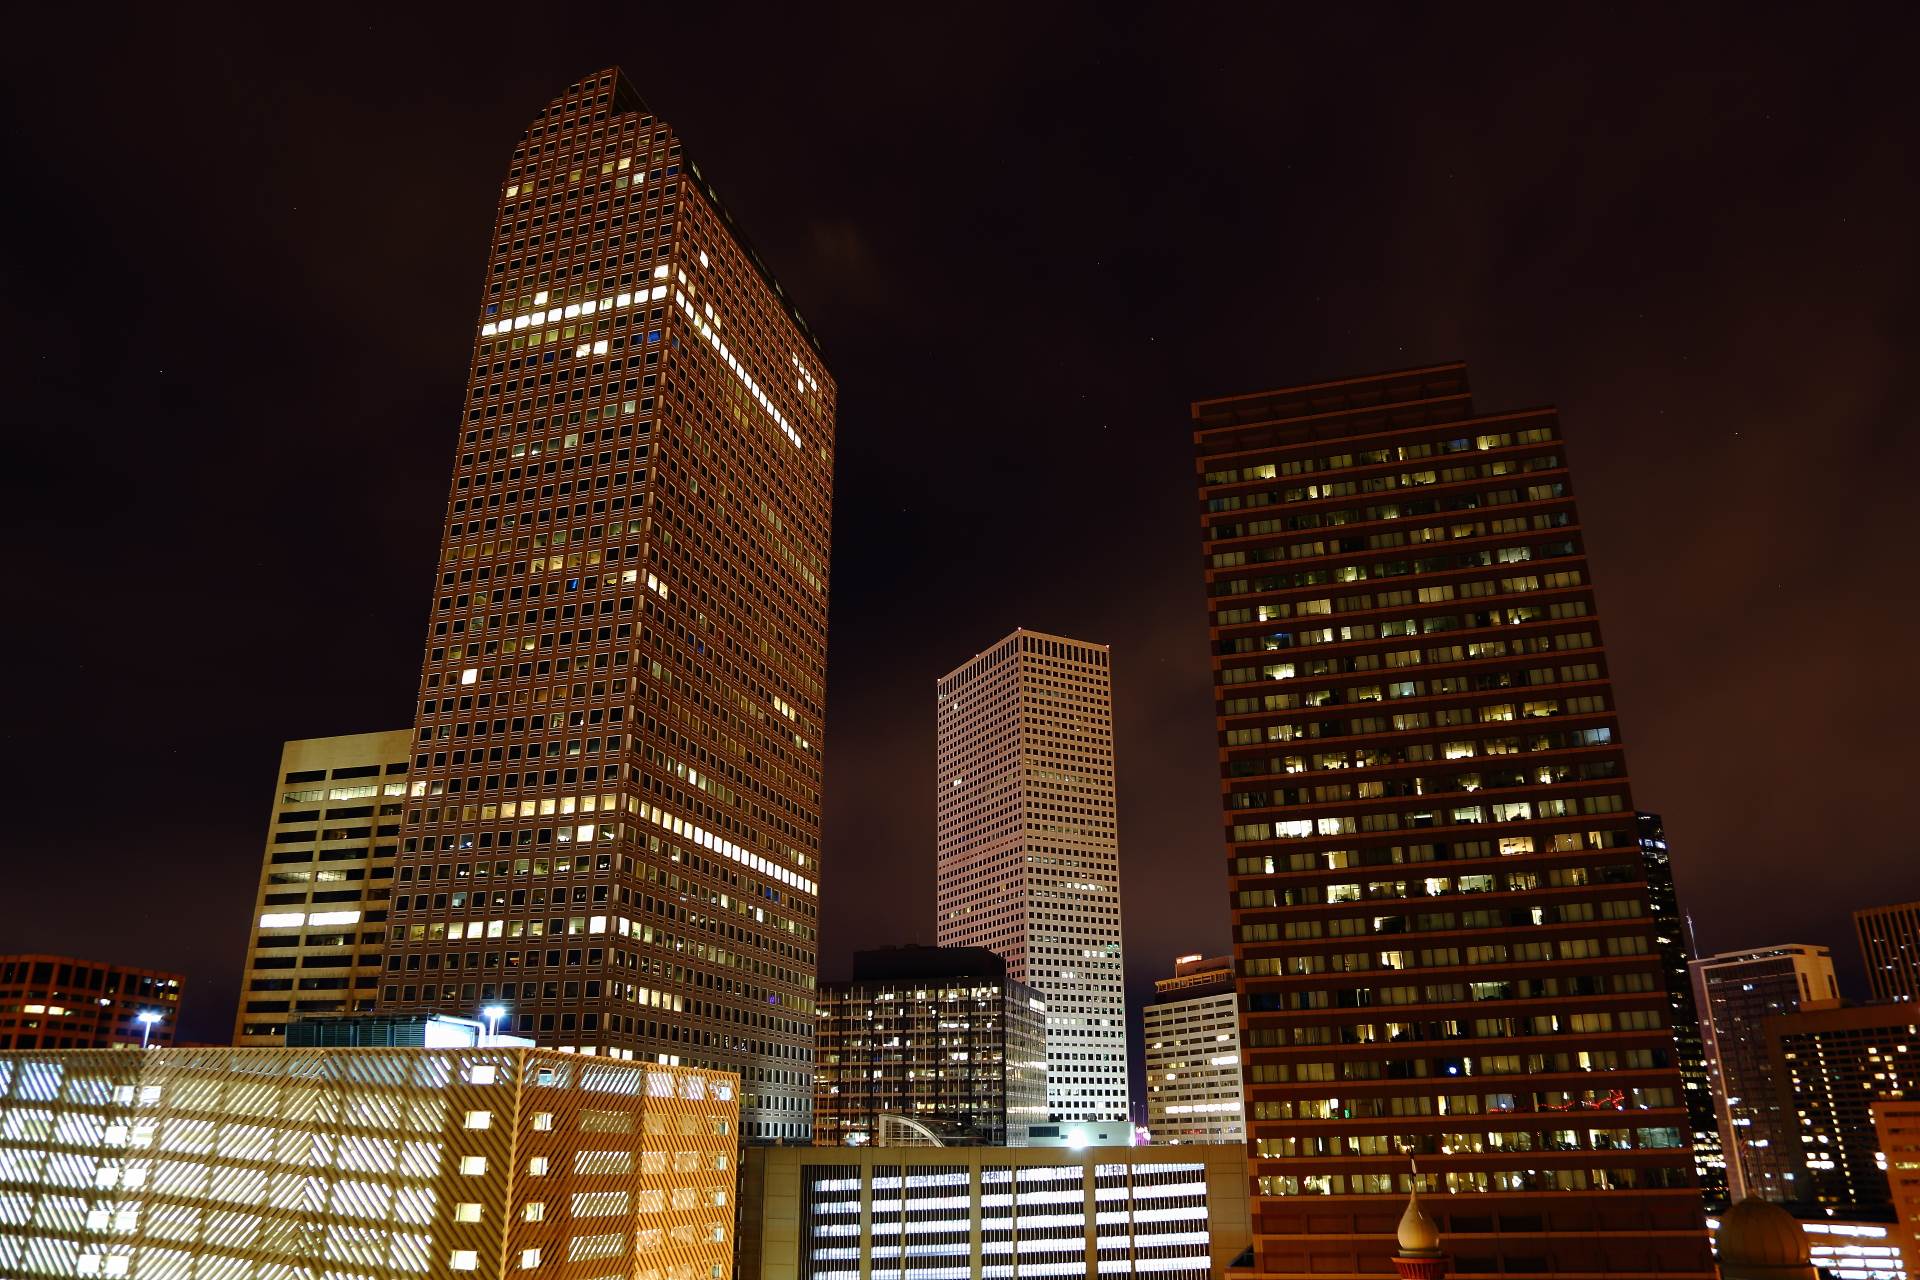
1028,848
1441,915
1736,992
1890,949
320,918
1190,1039
614,804
1675,940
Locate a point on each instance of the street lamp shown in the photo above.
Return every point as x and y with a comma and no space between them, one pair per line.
493,1013
146,1018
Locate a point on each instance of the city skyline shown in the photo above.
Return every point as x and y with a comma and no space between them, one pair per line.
858,263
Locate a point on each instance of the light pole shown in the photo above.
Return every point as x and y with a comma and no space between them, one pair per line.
146,1018
493,1013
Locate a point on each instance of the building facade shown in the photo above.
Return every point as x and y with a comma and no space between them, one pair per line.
613,827
995,1214
1897,1124
326,882
1831,1067
1028,848
1890,948
938,1036
1191,1036
1441,915
59,1002
257,1164
1674,936
1736,992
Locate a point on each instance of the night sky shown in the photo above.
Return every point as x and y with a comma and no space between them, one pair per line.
242,267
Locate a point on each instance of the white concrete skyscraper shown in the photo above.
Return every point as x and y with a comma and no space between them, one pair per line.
1029,852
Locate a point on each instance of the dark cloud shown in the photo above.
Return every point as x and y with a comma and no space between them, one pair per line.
242,262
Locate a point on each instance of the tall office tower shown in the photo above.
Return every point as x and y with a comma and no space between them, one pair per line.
1675,940
325,882
1441,917
1191,1034
1028,848
1890,947
1833,1066
1735,992
928,1045
58,1002
614,824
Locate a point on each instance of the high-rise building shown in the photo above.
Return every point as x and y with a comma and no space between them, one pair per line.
1890,948
58,1002
1674,937
1191,1035
1735,992
1028,848
809,1213
1441,914
326,879
1831,1066
613,828
928,1044
437,1163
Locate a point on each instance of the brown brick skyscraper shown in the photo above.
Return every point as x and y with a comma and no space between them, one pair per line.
1440,911
612,832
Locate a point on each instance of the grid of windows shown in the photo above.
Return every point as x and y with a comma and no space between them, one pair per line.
613,817
957,1214
1028,855
962,1055
1440,910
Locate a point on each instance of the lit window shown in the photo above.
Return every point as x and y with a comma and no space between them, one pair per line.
480,1073
464,1260
473,1166
543,1120
466,1211
479,1119
529,1259
536,1211
537,1167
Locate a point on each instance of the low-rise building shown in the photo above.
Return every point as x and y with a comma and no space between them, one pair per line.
258,1164
59,1002
1173,1212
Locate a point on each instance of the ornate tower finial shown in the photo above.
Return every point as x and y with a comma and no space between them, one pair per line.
1419,1257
